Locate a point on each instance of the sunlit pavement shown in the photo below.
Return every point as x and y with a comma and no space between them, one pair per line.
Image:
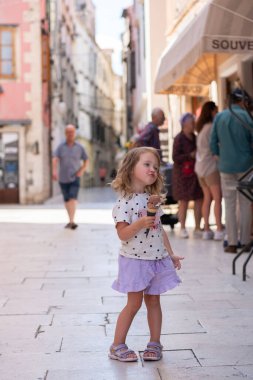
58,311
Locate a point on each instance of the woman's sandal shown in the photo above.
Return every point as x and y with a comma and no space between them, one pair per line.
122,353
155,349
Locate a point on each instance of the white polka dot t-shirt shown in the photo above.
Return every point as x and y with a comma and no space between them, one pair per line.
140,246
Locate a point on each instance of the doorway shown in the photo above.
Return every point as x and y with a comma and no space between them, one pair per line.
9,168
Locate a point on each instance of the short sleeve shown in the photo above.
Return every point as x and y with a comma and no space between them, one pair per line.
57,152
84,156
122,212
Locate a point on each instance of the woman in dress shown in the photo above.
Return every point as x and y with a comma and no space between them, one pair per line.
207,171
185,185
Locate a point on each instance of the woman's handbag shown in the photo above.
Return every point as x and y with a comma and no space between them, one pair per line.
188,168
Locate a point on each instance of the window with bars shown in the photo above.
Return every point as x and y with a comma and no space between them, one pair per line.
7,52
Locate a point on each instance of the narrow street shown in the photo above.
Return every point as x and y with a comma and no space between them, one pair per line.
58,311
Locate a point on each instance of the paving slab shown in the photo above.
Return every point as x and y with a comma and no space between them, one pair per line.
182,324
58,310
210,373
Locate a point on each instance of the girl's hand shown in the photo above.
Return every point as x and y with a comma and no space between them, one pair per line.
176,261
147,221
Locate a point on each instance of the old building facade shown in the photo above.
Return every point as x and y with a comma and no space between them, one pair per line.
84,86
143,43
180,53
24,102
209,51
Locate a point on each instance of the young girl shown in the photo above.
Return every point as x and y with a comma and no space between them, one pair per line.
146,261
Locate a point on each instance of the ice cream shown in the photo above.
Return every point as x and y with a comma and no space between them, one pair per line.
153,204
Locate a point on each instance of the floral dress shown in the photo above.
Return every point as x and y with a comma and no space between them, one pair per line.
185,185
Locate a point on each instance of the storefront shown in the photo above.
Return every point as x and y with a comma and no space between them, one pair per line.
9,167
222,32
13,161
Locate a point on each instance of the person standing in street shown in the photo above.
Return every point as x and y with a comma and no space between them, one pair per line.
185,185
232,144
206,167
146,261
150,135
68,157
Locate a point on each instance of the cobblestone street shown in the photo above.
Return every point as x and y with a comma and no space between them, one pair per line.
58,311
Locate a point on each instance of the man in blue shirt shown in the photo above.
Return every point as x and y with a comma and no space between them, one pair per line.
232,143
68,157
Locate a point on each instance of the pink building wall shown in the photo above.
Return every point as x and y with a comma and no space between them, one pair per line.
13,103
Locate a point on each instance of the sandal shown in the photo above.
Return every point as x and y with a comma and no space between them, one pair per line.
121,353
155,349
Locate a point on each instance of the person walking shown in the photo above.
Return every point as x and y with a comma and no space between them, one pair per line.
232,144
67,158
150,134
206,168
146,262
185,185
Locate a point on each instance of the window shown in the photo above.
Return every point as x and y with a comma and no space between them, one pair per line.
7,52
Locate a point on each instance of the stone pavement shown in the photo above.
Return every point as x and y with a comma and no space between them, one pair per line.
58,312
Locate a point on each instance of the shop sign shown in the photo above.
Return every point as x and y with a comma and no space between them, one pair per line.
188,89
225,45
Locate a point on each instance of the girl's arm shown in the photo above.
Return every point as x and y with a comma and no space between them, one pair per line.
167,244
176,259
127,231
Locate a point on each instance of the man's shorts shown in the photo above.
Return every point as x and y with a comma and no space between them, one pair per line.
70,190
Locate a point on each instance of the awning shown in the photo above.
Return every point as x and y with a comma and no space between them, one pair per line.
188,66
23,122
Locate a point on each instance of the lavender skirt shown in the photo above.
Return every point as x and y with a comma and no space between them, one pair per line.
152,276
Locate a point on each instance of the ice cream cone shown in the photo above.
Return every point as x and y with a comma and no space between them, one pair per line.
150,212
153,204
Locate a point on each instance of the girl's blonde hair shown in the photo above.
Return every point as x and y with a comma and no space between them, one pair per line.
122,182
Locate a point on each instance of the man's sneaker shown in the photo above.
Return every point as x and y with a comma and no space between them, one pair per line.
218,235
207,235
197,234
231,249
184,234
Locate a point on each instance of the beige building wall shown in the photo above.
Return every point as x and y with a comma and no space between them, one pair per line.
155,24
175,15
34,164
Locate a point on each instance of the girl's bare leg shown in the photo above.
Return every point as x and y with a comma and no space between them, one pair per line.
126,317
154,312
